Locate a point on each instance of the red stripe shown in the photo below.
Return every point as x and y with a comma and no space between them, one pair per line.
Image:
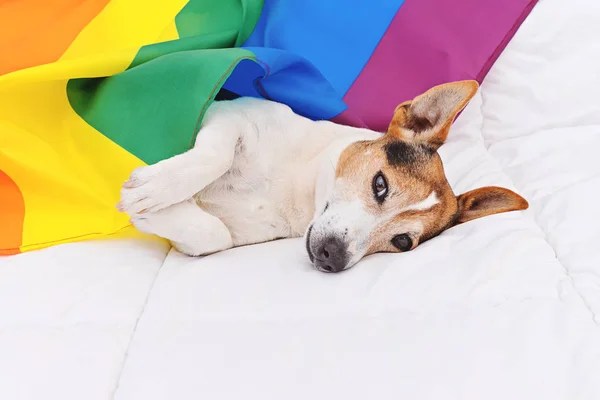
12,215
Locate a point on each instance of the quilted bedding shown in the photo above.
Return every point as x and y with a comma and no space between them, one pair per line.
506,307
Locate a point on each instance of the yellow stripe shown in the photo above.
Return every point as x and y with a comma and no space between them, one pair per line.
91,54
170,33
54,157
125,25
69,173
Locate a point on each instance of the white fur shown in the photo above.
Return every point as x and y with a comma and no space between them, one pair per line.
422,205
257,172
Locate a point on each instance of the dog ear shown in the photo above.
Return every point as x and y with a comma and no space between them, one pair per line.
487,201
427,118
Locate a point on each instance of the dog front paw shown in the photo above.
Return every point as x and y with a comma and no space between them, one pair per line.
148,189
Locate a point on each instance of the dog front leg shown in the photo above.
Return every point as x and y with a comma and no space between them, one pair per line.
179,178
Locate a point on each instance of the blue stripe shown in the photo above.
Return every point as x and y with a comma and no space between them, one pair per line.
288,79
311,51
337,36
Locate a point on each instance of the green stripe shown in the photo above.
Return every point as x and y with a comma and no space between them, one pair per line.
152,109
204,17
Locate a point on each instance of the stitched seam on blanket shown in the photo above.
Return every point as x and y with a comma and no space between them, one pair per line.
135,326
584,301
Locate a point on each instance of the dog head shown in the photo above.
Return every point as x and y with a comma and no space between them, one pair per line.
391,194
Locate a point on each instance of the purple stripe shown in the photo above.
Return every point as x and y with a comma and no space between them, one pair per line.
431,42
348,117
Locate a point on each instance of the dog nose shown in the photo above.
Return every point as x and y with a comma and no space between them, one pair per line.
332,255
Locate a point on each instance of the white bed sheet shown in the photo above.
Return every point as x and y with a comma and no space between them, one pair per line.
67,315
506,307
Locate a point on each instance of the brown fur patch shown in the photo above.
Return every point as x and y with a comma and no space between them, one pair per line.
408,184
487,201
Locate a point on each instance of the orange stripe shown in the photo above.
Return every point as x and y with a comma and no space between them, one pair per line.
34,32
12,215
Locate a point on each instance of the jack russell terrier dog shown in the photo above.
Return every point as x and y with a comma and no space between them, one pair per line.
260,172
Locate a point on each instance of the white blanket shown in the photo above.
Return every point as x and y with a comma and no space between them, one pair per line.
505,307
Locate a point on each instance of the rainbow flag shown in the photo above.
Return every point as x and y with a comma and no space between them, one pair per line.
91,89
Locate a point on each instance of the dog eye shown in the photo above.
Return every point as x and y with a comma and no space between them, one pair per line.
380,188
402,242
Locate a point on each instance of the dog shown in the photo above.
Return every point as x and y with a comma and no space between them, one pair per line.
260,172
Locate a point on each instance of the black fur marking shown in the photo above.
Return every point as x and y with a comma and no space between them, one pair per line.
401,153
